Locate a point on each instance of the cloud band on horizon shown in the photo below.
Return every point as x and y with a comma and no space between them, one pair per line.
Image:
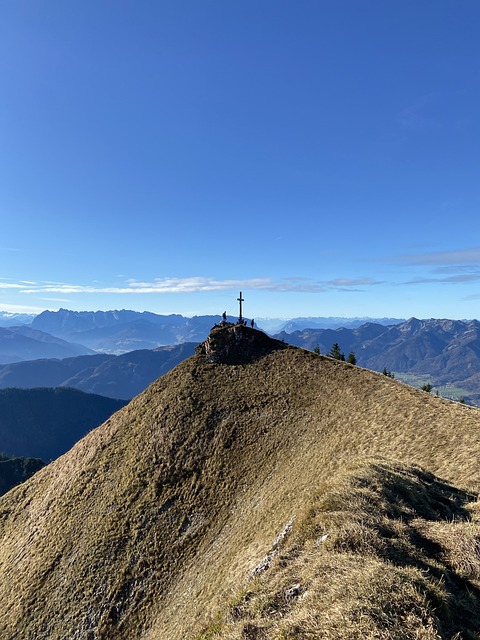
193,285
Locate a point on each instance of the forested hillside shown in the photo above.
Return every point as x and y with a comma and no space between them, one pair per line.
44,423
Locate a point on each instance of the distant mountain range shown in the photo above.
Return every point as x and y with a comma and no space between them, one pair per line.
443,352
26,343
122,331
121,376
118,332
272,325
8,319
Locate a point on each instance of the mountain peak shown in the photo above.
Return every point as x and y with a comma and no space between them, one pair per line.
156,518
237,344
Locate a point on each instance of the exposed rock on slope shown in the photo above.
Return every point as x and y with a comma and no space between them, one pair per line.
237,344
380,552
152,521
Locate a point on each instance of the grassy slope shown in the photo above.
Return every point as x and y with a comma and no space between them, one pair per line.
150,523
381,551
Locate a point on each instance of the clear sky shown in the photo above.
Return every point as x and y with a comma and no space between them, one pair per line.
323,156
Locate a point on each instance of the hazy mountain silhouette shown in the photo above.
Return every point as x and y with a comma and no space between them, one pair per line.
24,343
121,376
298,324
254,491
9,319
122,331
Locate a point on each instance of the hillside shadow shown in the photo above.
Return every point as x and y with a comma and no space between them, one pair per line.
417,493
417,496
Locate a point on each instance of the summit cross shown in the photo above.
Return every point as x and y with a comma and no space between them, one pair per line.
240,300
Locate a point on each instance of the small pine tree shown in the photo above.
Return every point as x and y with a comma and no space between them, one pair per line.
427,387
351,358
317,349
389,374
335,352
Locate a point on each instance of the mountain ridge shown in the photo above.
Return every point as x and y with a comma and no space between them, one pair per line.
442,352
121,331
19,343
114,376
146,526
445,352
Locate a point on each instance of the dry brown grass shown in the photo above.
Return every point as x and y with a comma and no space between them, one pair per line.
147,527
374,555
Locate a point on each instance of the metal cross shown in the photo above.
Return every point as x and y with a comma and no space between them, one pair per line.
240,300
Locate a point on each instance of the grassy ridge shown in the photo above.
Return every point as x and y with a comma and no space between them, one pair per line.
381,551
151,523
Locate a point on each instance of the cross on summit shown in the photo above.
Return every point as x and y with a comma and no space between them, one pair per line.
240,300
240,315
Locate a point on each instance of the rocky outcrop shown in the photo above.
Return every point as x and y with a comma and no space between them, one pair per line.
237,344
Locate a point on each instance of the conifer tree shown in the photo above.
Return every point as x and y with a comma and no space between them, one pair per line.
336,353
351,358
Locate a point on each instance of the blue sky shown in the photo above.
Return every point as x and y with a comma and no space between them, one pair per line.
322,156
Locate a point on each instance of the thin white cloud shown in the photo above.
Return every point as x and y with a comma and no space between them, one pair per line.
195,285
457,269
63,300
458,279
161,285
346,282
441,258
11,285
